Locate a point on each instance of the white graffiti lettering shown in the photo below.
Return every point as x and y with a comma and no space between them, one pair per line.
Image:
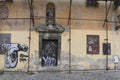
49,61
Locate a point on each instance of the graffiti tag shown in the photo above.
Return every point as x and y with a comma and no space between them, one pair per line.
11,53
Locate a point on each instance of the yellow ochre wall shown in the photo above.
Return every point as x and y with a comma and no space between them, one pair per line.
19,30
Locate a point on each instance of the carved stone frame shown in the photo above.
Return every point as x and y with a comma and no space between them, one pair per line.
54,36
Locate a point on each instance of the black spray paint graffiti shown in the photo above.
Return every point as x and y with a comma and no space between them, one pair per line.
11,53
23,57
49,53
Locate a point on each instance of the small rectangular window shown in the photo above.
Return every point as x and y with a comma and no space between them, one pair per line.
6,0
91,3
2,0
9,0
106,48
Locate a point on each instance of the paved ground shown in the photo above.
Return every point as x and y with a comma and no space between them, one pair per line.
79,75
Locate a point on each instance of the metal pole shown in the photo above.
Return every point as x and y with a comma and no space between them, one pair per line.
106,21
29,2
70,48
69,23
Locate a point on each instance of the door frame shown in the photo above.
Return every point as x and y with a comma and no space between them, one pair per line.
51,36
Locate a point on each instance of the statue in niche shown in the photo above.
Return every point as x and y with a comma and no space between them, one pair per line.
50,14
3,11
50,24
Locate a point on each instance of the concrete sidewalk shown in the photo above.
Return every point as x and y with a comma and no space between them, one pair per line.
78,75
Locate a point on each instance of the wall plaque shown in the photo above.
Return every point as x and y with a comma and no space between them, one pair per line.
92,44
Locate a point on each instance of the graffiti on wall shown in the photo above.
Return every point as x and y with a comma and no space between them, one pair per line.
11,50
23,57
92,44
11,53
49,52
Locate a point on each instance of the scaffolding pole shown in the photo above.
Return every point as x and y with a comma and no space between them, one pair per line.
30,2
106,29
69,23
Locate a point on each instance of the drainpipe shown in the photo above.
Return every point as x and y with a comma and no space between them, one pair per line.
113,29
115,58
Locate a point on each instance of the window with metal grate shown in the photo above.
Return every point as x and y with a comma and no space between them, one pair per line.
91,3
6,0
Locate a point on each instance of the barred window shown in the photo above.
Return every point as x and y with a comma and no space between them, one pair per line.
91,3
6,0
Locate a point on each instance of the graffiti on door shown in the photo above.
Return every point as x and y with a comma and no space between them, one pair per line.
49,52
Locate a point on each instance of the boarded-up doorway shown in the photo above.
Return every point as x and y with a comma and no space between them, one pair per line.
49,52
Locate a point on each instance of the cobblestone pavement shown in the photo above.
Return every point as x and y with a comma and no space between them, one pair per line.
78,75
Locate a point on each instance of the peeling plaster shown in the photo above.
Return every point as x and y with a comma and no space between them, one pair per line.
77,63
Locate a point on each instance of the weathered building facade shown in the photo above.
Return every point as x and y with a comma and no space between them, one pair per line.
56,35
